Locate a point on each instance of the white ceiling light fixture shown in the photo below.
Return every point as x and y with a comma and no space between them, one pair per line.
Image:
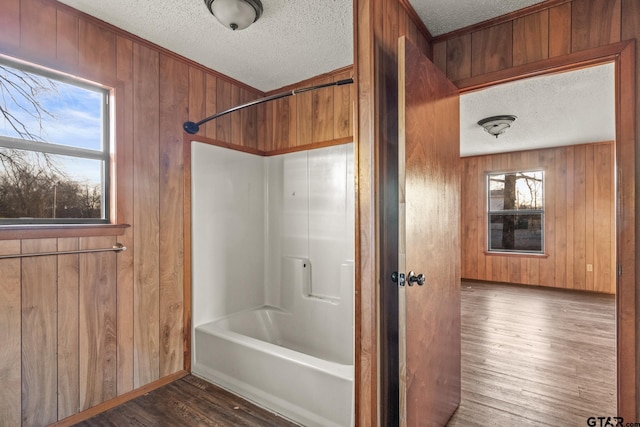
235,14
497,125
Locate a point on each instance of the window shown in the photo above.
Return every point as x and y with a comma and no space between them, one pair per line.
516,212
54,148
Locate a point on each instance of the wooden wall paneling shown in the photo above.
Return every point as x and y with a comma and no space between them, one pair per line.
458,57
283,123
37,24
67,41
342,116
39,334
265,125
594,23
531,38
491,49
367,16
197,96
304,118
224,92
236,117
322,113
570,212
97,331
485,164
146,215
560,30
10,24
125,214
561,244
588,217
210,91
10,336
174,78
249,120
630,29
579,217
440,55
97,52
603,224
68,329
471,219
542,270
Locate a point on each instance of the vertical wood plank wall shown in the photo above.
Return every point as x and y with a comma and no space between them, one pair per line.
379,23
78,330
551,30
579,219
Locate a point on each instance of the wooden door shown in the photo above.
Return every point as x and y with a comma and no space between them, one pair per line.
429,234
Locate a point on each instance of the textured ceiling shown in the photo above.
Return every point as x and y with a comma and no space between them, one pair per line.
292,41
444,16
561,109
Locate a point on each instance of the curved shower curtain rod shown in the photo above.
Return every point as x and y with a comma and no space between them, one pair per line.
193,128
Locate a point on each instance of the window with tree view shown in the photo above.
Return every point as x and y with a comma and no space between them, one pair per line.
54,150
516,212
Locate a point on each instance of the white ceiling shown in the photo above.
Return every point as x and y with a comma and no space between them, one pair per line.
292,41
561,109
444,16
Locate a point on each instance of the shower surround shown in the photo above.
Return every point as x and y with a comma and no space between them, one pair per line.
273,247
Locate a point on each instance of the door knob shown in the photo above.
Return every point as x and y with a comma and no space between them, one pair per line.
413,278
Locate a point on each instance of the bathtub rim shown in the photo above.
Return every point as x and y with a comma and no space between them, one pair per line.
336,369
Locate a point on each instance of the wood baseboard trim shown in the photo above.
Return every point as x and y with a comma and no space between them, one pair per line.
109,404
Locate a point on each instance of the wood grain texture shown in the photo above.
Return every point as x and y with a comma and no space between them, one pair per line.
594,23
429,126
38,20
491,49
10,24
459,57
249,120
322,113
304,118
146,207
560,30
531,38
440,55
125,213
236,117
39,334
67,41
189,401
342,114
224,92
61,38
532,356
10,334
366,24
97,52
174,78
578,219
68,323
211,101
98,314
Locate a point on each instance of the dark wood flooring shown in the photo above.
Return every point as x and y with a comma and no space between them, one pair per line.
530,356
535,356
189,401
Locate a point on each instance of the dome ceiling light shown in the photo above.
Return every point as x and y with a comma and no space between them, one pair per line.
235,14
497,125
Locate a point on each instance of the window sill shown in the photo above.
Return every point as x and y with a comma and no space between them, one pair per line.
48,231
516,254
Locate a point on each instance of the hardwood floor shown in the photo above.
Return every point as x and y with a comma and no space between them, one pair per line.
189,401
535,356
530,356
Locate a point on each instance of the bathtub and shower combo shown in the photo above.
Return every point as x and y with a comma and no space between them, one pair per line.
272,279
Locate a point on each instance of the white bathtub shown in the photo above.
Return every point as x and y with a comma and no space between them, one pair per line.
260,355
